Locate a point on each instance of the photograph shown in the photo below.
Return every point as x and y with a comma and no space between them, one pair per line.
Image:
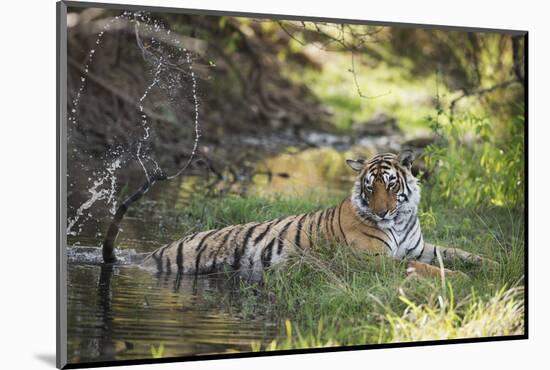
247,184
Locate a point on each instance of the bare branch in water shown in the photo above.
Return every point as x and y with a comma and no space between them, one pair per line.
112,233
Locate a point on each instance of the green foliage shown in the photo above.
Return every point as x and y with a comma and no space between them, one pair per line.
476,164
157,352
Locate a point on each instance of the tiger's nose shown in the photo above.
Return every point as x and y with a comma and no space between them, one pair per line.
382,213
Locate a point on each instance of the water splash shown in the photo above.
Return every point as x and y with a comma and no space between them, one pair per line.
196,121
104,185
97,193
94,255
144,124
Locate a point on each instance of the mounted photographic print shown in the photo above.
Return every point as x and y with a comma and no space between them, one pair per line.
235,185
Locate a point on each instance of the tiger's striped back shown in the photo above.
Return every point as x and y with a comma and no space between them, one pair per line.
248,248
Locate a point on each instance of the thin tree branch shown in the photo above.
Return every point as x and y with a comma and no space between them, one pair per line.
108,248
354,73
479,92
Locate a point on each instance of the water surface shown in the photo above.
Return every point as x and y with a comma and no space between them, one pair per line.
125,312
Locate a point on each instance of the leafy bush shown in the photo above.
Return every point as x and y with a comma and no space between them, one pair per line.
475,163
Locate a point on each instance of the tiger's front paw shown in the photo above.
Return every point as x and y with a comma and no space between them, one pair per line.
457,274
415,268
490,264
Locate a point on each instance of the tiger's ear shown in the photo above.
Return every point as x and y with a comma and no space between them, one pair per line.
356,164
406,158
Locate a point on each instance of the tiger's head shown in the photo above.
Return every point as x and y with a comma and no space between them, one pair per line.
385,191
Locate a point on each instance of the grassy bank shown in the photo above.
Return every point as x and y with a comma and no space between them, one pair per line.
331,296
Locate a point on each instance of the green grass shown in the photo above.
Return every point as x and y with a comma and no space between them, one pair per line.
204,212
501,315
332,296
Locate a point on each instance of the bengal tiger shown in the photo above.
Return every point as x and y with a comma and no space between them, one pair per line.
379,217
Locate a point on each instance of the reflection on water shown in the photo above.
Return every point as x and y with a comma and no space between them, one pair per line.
319,169
124,312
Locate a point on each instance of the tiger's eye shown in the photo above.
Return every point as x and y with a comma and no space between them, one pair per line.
367,186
